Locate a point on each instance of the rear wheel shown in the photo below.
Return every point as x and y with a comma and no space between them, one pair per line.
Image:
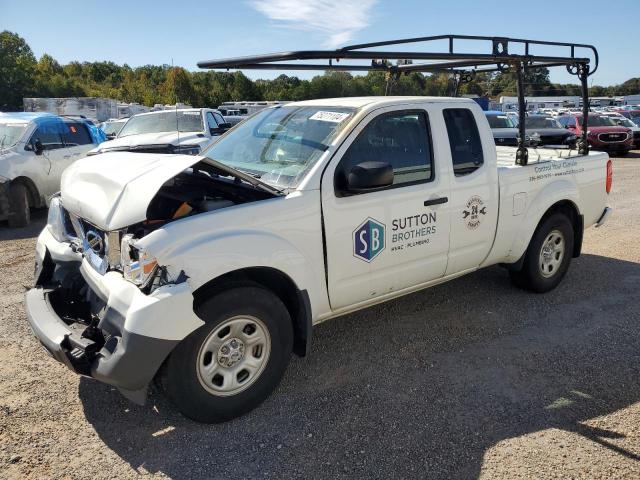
548,257
19,212
232,363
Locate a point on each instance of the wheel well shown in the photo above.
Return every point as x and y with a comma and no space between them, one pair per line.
569,209
34,196
296,301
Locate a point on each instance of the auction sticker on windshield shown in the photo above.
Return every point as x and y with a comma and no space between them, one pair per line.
334,117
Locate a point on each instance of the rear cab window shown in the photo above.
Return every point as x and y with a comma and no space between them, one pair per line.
464,140
401,139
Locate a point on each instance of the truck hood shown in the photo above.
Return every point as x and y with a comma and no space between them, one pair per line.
504,132
113,190
552,132
165,138
608,129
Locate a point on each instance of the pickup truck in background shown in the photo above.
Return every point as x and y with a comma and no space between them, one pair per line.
206,272
35,148
187,131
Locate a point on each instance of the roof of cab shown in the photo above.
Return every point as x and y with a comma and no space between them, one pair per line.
359,102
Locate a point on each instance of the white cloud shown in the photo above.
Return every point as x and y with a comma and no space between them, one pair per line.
336,20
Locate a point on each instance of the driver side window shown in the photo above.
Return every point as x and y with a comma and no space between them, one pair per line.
400,139
48,135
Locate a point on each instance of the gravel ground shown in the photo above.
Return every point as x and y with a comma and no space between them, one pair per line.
469,379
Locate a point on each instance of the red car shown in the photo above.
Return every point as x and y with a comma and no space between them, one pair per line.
602,132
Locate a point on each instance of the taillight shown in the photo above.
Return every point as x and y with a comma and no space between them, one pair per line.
609,176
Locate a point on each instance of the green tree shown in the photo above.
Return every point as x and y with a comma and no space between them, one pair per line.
177,87
17,66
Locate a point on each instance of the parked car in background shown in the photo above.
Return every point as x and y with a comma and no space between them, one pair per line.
35,148
187,131
602,132
545,130
623,121
112,127
503,128
633,115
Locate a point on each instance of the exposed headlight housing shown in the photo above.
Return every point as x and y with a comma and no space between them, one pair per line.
55,220
138,266
187,149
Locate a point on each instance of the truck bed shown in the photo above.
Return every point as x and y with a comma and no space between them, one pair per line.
551,175
507,155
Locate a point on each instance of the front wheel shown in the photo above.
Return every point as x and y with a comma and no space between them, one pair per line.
548,257
19,212
232,363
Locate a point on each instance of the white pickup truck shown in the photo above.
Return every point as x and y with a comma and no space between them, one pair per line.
207,272
187,131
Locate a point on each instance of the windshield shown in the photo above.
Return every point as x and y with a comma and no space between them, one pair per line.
598,121
279,145
10,133
500,121
542,122
623,121
112,127
169,121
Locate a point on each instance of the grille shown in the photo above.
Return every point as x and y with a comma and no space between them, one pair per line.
612,137
552,139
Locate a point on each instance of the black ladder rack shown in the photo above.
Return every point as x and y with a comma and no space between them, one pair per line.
463,65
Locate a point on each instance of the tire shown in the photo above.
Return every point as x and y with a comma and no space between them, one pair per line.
546,261
19,212
199,375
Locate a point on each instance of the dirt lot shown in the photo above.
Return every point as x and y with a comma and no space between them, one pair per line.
469,379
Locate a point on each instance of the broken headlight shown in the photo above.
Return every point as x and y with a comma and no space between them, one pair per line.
55,220
138,265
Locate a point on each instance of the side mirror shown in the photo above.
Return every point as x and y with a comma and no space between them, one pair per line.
368,176
38,148
110,136
222,127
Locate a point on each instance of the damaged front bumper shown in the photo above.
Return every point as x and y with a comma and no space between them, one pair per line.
103,326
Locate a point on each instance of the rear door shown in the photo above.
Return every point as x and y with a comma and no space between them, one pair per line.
474,190
379,242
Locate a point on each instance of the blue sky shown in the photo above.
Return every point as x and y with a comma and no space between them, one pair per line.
155,32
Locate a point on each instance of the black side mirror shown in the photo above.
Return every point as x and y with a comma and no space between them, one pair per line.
222,127
368,176
38,148
111,136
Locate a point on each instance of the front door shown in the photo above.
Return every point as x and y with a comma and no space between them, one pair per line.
380,242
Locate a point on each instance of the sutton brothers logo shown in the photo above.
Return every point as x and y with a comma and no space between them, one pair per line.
368,240
473,209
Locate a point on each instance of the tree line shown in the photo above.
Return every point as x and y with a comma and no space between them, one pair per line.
22,75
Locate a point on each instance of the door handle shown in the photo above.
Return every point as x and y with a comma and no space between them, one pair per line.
436,201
